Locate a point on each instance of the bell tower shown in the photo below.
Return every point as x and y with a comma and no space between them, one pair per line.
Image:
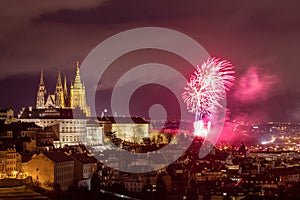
59,94
41,93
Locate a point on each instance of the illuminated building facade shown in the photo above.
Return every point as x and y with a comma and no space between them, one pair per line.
130,129
61,98
94,133
52,169
10,162
69,125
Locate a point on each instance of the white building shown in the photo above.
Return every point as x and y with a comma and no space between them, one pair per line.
69,125
94,133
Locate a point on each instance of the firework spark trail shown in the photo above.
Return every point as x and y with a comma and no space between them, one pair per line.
207,87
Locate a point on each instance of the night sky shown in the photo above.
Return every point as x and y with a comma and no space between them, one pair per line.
261,38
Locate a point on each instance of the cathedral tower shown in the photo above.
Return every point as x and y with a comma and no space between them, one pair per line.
41,93
62,98
66,95
59,94
77,94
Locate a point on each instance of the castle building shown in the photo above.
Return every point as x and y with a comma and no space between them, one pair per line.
130,129
69,125
61,98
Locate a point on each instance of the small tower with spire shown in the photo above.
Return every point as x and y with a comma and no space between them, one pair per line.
41,93
59,94
66,95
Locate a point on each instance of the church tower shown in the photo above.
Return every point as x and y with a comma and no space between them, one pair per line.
66,95
59,94
77,94
41,93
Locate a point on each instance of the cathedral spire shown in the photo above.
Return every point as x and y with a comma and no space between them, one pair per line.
77,81
59,94
41,93
58,84
77,67
65,86
65,92
42,78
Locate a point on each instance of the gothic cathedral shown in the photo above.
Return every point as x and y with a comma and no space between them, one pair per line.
61,98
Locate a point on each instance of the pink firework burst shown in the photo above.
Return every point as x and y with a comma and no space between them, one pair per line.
207,87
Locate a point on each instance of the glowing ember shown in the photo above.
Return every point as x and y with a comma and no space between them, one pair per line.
205,91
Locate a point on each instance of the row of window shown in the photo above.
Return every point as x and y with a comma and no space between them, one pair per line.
65,178
71,138
133,184
11,174
261,182
63,169
86,170
11,156
10,162
64,122
48,122
75,128
134,189
10,168
71,131
64,164
65,184
73,122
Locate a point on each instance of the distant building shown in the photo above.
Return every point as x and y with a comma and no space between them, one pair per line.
290,174
10,162
52,170
27,136
7,115
131,129
61,98
133,184
94,133
84,168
